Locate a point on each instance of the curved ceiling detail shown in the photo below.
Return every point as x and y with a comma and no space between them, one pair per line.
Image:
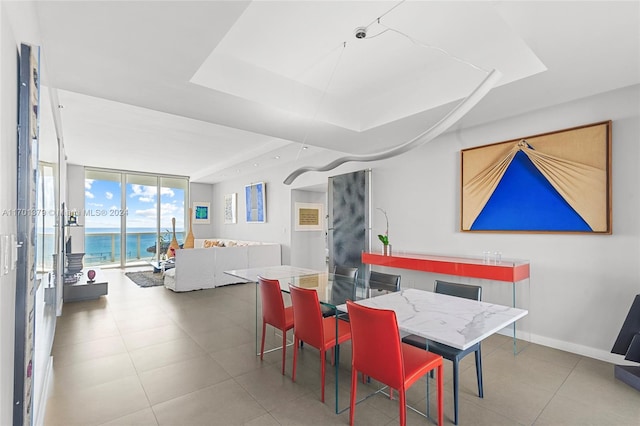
433,132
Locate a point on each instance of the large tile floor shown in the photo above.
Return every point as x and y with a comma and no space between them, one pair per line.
148,356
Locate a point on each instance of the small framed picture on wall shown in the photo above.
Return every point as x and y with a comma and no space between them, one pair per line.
308,217
230,214
201,213
255,202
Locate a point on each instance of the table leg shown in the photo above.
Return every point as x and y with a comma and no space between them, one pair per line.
427,411
257,295
515,349
336,364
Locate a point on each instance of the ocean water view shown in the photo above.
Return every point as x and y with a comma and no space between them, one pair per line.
102,245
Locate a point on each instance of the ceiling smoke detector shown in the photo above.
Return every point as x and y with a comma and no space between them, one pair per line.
360,32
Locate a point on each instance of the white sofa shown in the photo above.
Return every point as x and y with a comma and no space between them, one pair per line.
199,268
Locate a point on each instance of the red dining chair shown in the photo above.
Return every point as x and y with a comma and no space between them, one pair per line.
314,329
274,313
378,352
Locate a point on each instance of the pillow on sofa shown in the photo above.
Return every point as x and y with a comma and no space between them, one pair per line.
212,243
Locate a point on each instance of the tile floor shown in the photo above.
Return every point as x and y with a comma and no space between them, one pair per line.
148,356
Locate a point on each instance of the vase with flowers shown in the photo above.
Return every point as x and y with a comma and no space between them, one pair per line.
384,238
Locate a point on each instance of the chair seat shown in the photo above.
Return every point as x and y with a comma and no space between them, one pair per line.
447,352
466,291
288,317
315,330
327,311
378,352
344,332
274,313
417,363
330,312
452,354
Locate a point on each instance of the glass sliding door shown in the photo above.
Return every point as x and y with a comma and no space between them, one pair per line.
129,215
102,219
142,218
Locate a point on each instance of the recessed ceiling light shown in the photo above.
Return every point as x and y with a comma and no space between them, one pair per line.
237,170
305,147
277,157
255,164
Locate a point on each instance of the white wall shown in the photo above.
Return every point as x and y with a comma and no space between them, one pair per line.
277,229
581,286
8,196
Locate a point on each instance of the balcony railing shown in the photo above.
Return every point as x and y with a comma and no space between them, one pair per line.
104,248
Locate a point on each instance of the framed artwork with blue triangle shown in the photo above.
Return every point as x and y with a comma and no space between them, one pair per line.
553,182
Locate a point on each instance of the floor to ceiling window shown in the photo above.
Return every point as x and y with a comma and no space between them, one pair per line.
130,214
102,231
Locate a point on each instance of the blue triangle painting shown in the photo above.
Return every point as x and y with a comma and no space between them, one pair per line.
525,201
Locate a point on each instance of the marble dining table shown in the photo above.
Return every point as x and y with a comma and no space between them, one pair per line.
450,320
453,321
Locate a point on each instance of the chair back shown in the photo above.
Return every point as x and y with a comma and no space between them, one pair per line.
272,302
307,316
346,271
382,281
342,289
344,284
466,291
375,342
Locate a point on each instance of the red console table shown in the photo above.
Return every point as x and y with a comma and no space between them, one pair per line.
507,270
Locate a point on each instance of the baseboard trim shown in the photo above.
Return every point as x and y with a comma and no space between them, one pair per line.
580,350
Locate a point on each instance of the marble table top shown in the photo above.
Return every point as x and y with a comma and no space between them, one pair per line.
453,321
277,272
